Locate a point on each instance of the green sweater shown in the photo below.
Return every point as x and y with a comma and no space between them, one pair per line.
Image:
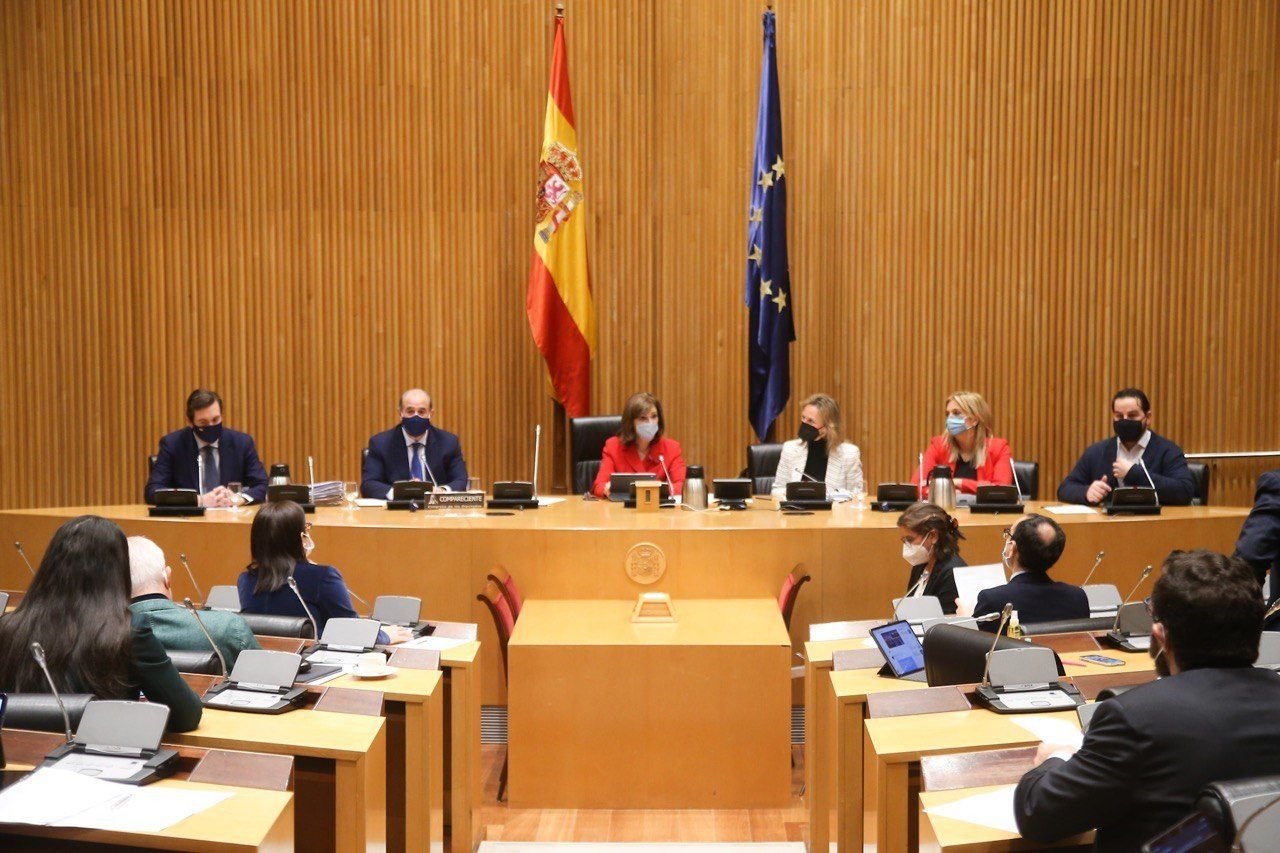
177,630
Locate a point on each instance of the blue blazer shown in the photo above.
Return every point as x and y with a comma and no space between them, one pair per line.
1259,542
1163,459
1036,597
238,462
321,587
388,461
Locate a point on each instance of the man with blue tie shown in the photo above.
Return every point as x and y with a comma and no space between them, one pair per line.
206,456
414,450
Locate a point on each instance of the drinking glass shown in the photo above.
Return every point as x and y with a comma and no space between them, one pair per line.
351,490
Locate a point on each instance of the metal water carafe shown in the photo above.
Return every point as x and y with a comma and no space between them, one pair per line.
695,488
942,489
279,475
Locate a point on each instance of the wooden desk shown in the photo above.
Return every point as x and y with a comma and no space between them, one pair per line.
577,549
957,836
607,713
340,769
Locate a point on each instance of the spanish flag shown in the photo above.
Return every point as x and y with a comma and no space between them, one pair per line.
559,304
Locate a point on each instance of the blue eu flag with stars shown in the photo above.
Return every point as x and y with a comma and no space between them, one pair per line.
768,286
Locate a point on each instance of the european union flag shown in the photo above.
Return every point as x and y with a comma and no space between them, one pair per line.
768,288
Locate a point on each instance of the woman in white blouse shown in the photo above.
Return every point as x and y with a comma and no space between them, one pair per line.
820,452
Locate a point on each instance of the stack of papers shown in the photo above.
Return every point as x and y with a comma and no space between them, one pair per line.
328,493
53,797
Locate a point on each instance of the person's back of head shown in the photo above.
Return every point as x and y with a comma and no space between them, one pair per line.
275,544
77,608
147,570
1207,610
1040,542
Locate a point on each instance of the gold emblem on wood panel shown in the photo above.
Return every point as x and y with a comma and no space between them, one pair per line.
645,563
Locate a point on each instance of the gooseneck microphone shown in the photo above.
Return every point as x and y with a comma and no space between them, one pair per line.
315,626
1004,620
37,652
1013,469
23,554
662,460
1146,573
924,576
1151,481
191,574
537,445
1271,611
923,490
222,662
311,471
805,476
1097,560
200,466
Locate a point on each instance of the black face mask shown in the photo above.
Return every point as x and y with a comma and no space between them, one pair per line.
210,433
808,432
1128,431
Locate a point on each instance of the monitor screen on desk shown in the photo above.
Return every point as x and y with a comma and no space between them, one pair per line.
898,643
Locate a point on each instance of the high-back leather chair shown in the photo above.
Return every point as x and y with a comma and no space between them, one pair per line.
762,465
1028,474
586,444
956,655
39,712
1199,473
270,625
199,663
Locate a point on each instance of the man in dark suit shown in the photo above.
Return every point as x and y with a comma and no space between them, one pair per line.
228,456
1150,751
414,449
1135,457
1259,542
1031,548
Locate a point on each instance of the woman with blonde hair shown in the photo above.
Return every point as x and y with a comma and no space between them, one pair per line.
819,452
969,446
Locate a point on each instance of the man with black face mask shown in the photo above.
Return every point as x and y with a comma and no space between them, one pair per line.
1135,457
206,447
414,449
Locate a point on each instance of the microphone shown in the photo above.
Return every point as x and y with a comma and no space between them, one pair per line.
427,466
1149,480
191,574
200,465
311,471
662,460
1272,611
924,576
804,476
222,662
23,553
1097,560
1146,573
922,492
353,594
1014,471
1004,620
37,652
315,626
537,445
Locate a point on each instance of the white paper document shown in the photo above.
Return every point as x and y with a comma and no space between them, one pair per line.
1042,699
233,698
1071,509
148,809
335,658
110,767
993,809
434,643
550,501
971,580
1050,730
370,502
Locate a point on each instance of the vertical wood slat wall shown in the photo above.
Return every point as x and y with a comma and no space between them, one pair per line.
313,205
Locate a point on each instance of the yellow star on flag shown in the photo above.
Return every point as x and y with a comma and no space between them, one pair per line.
755,254
766,179
757,214
766,288
781,301
777,167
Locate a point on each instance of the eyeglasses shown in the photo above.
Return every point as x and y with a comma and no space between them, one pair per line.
1006,534
306,527
1146,602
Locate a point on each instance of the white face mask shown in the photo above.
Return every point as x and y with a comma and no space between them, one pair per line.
307,545
915,553
1005,556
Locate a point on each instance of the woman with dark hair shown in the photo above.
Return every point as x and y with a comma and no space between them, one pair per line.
931,547
640,447
280,544
77,608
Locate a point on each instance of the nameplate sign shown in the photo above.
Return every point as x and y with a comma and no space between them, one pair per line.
455,500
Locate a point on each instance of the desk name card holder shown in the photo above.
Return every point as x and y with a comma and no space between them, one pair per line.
413,495
299,493
261,682
648,495
1026,681
653,607
176,503
119,742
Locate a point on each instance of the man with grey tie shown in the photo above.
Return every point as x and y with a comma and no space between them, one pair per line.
206,456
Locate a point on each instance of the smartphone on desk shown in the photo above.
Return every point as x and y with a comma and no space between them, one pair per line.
1102,660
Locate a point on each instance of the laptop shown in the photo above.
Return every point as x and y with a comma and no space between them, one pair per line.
902,651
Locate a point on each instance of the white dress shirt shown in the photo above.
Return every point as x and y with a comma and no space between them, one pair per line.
1133,456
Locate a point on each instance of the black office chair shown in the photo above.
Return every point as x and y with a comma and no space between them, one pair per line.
270,625
586,444
956,655
198,663
39,712
762,465
1199,473
1069,626
1028,474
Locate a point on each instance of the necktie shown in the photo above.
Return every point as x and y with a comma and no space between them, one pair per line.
415,465
211,478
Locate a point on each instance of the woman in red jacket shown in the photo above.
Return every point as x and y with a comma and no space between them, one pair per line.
968,447
640,447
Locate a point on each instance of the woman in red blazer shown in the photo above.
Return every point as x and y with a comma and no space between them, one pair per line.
640,447
968,448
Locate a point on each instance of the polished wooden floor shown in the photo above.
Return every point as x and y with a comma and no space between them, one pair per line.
648,825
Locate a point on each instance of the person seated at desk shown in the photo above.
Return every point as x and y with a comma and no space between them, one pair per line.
819,453
173,624
415,449
280,543
640,447
1259,541
1031,547
969,447
1135,457
229,457
1150,751
77,608
931,547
